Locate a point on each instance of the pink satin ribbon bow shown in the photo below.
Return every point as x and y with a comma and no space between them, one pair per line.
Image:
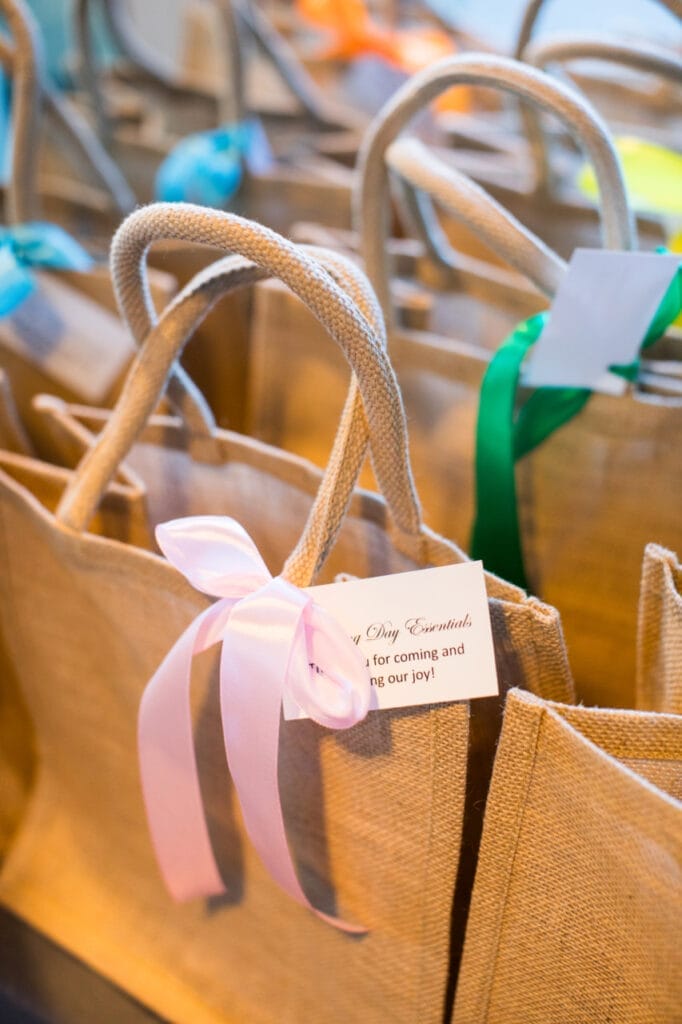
272,633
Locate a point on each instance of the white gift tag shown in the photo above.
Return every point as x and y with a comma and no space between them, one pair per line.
599,318
69,337
426,635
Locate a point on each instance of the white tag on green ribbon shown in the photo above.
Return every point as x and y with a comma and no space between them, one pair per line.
599,318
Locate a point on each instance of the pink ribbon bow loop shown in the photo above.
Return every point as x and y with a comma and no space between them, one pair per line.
275,640
213,553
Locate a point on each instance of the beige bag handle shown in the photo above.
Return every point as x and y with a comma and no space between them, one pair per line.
137,310
23,59
644,57
534,8
145,60
236,16
361,344
289,68
370,206
424,173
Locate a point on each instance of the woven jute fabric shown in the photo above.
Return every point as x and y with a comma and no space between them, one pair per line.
659,633
374,816
576,907
591,498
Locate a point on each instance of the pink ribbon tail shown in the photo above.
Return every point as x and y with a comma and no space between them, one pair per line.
251,703
270,631
170,780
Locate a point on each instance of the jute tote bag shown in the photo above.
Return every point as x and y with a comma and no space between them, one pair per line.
585,496
604,463
57,161
252,955
294,181
659,633
576,907
65,336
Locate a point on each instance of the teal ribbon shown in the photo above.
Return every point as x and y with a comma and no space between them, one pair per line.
506,432
206,168
37,244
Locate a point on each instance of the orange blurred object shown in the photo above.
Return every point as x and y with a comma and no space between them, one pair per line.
355,34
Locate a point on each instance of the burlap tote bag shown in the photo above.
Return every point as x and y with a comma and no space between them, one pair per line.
65,336
58,165
597,474
659,633
301,170
576,908
253,955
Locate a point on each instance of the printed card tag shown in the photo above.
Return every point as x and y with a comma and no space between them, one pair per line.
69,337
599,318
426,635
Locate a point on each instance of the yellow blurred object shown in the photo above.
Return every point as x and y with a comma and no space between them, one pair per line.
355,34
653,175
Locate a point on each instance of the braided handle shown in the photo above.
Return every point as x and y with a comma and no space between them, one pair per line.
426,174
26,63
360,337
370,206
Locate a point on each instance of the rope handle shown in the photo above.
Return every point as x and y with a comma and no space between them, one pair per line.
237,17
361,338
425,174
370,199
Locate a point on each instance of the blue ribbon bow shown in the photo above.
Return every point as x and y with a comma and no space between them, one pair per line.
206,168
36,244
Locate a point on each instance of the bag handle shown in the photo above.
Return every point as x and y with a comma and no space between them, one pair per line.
24,60
644,57
370,206
425,174
127,40
162,223
236,16
362,345
302,86
533,9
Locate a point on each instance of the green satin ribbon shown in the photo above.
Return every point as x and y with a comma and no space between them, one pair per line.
506,432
